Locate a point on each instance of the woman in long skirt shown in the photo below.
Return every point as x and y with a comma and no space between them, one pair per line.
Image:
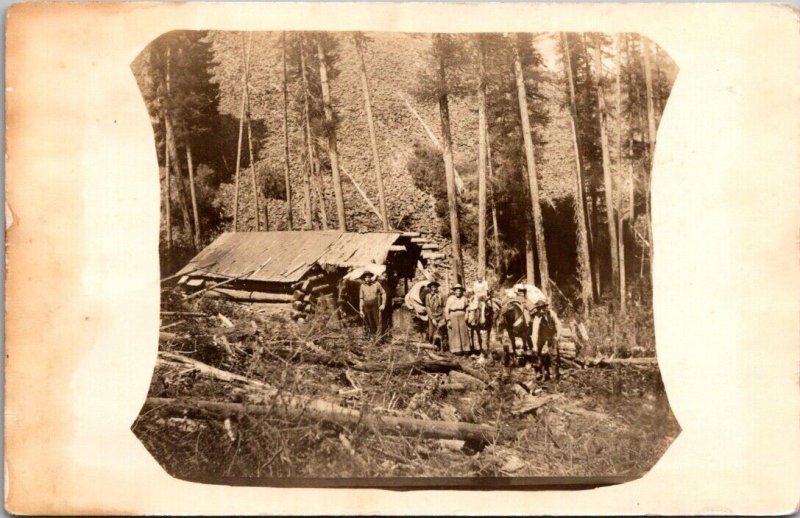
455,314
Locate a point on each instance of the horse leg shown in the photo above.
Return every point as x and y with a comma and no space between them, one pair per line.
544,360
508,349
558,361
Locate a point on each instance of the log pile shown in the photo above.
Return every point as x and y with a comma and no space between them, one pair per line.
317,288
430,249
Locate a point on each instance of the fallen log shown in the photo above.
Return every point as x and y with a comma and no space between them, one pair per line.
531,403
249,296
299,305
322,288
419,366
167,358
576,410
629,361
296,407
466,379
312,357
320,357
452,387
183,314
306,285
215,286
475,373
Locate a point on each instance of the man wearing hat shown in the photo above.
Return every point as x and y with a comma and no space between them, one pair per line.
434,306
371,302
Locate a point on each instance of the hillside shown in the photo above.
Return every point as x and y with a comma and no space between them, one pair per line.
393,62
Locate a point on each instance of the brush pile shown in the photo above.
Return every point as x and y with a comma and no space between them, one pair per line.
245,391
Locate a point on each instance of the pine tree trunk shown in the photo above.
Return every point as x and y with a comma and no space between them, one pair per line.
246,58
447,152
495,228
183,197
584,261
620,174
530,265
167,171
308,171
172,151
331,131
623,293
319,188
286,168
658,98
544,275
608,186
253,168
168,197
482,129
651,130
633,96
373,141
196,217
591,200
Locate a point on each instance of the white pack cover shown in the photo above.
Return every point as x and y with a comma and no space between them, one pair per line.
414,300
533,293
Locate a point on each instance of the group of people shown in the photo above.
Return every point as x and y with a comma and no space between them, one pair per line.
451,321
458,321
463,321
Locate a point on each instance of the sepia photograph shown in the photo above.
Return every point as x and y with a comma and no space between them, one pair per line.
394,255
330,258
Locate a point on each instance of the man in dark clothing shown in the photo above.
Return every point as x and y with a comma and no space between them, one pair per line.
435,308
371,303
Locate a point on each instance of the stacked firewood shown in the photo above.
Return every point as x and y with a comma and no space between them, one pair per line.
310,292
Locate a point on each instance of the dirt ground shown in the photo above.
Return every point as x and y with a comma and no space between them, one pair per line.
602,421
